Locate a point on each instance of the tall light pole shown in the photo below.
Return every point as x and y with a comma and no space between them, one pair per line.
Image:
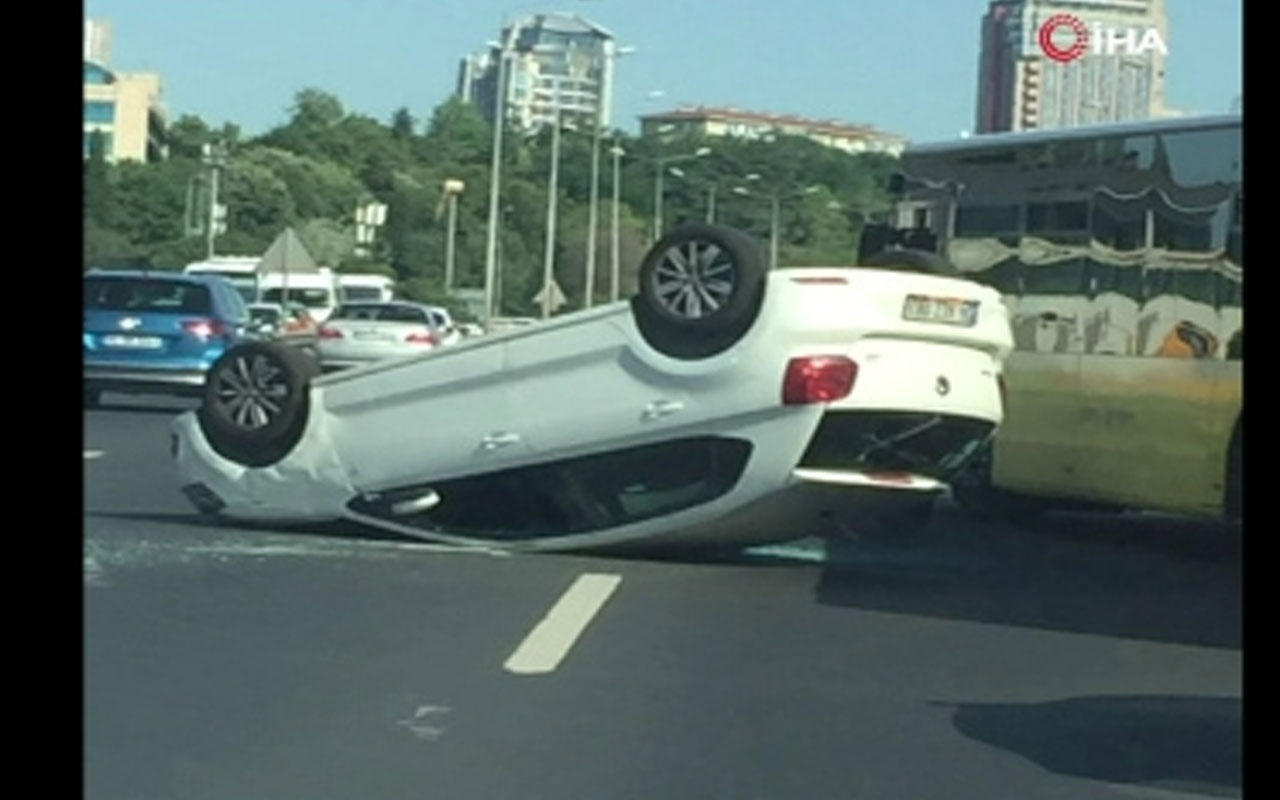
495,168
614,250
452,188
215,158
711,194
553,186
612,52
661,165
775,213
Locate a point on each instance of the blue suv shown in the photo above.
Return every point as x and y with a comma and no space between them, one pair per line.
149,332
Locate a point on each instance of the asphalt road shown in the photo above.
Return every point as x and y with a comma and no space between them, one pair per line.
1090,657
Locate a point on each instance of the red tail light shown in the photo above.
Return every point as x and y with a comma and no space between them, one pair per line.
818,379
422,338
328,333
206,329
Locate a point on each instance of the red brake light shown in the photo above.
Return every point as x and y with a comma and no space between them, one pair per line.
328,333
206,329
818,379
422,338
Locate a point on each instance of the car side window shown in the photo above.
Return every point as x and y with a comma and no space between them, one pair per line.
579,495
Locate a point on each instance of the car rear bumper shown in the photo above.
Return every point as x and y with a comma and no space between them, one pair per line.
144,380
308,485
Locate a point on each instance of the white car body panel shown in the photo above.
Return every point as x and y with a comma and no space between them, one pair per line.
589,382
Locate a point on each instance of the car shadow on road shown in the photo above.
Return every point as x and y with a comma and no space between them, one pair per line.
1176,744
339,529
1147,578
165,406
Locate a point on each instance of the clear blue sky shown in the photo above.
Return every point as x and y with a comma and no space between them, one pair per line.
906,66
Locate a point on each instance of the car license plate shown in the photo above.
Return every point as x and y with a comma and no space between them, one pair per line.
941,310
140,342
375,336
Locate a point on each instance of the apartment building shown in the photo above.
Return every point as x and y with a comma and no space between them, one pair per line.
125,108
735,122
1066,63
558,65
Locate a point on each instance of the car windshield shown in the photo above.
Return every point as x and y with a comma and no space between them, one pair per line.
311,298
265,315
381,313
153,295
362,292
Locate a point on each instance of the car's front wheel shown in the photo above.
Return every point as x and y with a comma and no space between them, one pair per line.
256,402
701,287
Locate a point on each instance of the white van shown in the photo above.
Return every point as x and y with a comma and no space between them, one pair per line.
365,288
318,292
242,271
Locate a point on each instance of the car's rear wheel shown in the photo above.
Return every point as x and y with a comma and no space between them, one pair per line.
256,402
701,287
911,261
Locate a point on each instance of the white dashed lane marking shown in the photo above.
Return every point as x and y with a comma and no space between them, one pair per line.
552,638
92,454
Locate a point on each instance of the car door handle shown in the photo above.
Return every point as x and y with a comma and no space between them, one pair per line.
662,408
495,440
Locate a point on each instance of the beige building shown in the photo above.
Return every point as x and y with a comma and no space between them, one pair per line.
124,107
708,121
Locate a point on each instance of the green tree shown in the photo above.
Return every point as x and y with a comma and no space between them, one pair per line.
186,137
99,201
456,135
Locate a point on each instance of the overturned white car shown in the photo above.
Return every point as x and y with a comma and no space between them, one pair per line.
723,405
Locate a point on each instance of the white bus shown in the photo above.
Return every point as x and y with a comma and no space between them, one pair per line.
1118,250
366,287
241,271
317,291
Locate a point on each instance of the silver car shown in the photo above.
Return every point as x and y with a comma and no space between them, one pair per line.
364,333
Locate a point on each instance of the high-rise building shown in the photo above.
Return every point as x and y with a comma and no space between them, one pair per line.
1065,63
123,109
97,41
741,124
559,63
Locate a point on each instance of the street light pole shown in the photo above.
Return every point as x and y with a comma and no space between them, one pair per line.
549,256
495,167
775,214
614,255
213,158
449,246
661,165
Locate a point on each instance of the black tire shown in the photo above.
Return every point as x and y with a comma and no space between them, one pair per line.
911,261
256,401
683,314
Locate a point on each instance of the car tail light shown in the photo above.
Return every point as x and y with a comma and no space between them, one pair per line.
422,338
818,379
206,329
328,333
